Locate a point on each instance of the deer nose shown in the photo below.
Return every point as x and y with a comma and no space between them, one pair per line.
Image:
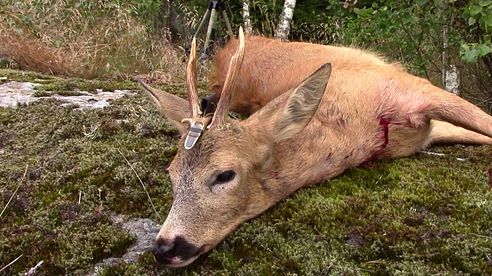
208,104
162,246
174,251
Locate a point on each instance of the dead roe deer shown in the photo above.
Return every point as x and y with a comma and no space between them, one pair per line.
315,112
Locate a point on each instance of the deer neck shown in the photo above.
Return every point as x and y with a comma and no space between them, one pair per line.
312,157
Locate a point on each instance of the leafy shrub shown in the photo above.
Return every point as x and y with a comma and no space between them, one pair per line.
479,19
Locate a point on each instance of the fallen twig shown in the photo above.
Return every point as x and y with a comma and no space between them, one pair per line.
141,182
11,263
489,173
433,153
34,269
15,191
481,236
441,154
376,262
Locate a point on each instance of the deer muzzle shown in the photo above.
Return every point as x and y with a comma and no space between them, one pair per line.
177,252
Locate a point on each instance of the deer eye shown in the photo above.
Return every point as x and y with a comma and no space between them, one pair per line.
225,177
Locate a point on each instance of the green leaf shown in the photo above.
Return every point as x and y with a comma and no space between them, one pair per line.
487,20
363,12
485,3
484,50
472,21
475,10
469,54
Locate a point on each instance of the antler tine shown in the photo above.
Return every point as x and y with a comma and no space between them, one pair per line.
191,81
229,84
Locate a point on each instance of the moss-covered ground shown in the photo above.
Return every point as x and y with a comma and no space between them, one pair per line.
424,214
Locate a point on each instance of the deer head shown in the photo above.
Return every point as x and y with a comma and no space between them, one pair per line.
219,174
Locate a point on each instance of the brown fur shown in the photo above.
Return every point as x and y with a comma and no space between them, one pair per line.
369,110
271,67
267,72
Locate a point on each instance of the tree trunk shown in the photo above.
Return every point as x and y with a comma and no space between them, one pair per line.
452,83
445,41
283,27
173,22
247,21
450,73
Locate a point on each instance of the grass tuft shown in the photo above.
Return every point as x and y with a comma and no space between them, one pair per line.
100,40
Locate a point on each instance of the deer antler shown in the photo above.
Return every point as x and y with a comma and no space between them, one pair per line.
191,81
229,84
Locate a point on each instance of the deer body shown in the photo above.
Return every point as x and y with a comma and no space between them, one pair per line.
271,67
303,129
362,88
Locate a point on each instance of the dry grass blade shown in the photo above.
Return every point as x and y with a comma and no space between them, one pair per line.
11,263
34,55
15,191
141,182
113,44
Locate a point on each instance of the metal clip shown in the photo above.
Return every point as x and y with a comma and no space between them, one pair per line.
196,130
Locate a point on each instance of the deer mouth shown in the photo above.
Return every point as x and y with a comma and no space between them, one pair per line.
177,262
176,258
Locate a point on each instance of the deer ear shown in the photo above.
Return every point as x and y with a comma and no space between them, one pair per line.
172,107
302,104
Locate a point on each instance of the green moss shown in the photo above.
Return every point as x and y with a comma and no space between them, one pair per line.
71,153
17,75
41,93
66,86
418,215
6,63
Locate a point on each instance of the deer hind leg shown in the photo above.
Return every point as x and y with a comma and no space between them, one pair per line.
445,106
446,133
